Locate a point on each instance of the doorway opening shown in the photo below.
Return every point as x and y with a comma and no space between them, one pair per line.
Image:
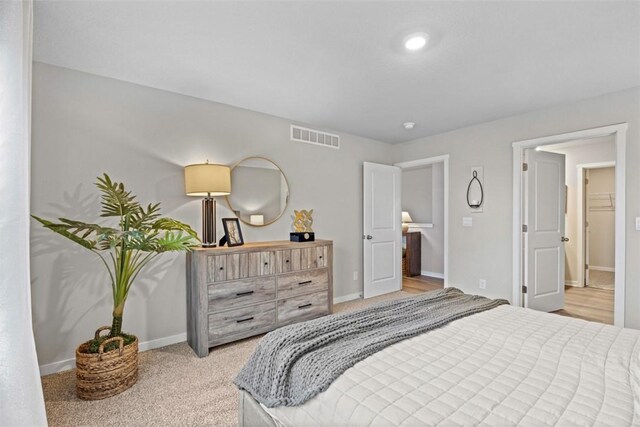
589,227
534,284
424,204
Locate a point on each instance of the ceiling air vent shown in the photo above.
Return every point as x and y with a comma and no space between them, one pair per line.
316,137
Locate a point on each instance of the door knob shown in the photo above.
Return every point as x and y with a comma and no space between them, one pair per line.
564,239
369,237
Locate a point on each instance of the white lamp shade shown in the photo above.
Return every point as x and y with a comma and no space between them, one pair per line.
256,220
206,179
406,217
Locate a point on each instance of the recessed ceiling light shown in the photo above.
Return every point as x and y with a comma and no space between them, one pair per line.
416,41
408,125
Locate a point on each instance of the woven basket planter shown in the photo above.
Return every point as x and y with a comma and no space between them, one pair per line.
106,374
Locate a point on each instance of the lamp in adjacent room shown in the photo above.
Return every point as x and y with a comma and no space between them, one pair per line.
208,181
406,220
256,220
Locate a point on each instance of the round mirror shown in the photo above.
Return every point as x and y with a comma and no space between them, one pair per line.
259,191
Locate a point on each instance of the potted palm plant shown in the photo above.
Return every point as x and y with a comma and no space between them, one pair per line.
108,364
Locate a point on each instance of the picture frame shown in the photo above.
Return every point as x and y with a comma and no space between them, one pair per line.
232,232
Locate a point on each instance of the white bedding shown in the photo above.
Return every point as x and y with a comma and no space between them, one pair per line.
505,366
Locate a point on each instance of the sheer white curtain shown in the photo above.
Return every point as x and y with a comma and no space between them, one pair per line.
21,401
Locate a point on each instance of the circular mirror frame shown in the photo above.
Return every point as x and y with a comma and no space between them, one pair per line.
226,198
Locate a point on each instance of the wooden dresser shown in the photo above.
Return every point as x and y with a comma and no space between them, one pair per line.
413,254
238,292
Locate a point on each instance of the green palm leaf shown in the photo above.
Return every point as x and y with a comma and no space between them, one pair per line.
170,224
142,218
116,201
174,242
63,230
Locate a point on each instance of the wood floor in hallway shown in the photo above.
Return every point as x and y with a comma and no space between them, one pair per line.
417,284
591,304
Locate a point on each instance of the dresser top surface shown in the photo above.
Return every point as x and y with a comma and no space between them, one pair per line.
277,244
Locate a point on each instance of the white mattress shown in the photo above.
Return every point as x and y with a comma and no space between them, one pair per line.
502,367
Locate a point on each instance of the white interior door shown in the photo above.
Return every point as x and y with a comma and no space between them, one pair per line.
544,185
382,229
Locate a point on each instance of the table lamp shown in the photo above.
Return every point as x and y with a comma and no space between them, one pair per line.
406,219
208,181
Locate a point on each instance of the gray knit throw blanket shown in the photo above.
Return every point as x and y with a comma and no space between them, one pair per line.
294,363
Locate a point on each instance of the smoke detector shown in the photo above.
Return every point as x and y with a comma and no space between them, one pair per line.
409,125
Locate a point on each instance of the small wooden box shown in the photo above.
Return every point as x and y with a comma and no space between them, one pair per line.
302,236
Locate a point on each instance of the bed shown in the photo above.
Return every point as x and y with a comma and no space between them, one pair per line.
503,366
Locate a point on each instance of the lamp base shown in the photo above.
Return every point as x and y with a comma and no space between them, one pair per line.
209,223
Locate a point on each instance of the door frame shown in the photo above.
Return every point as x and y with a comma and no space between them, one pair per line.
581,214
430,161
619,131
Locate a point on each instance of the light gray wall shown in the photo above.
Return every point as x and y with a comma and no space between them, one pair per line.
484,251
84,125
433,256
423,198
416,193
598,150
602,223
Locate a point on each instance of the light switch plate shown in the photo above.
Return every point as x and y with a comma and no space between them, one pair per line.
638,223
467,221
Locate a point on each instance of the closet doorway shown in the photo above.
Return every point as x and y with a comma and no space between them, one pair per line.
592,149
424,204
597,225
590,227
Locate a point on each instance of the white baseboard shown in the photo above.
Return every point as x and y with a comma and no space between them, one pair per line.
432,274
62,365
162,342
598,268
65,365
571,283
345,298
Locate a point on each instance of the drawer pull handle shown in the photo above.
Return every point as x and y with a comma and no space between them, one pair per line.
244,320
266,263
221,268
241,294
305,305
320,256
305,282
286,260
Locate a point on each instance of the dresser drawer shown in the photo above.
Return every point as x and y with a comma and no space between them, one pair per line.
216,268
292,284
303,307
284,263
231,325
223,296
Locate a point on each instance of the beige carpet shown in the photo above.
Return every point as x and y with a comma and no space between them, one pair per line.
175,387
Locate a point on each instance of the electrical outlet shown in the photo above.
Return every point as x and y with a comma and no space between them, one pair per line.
355,275
467,221
482,284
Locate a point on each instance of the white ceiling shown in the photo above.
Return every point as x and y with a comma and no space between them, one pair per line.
341,65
